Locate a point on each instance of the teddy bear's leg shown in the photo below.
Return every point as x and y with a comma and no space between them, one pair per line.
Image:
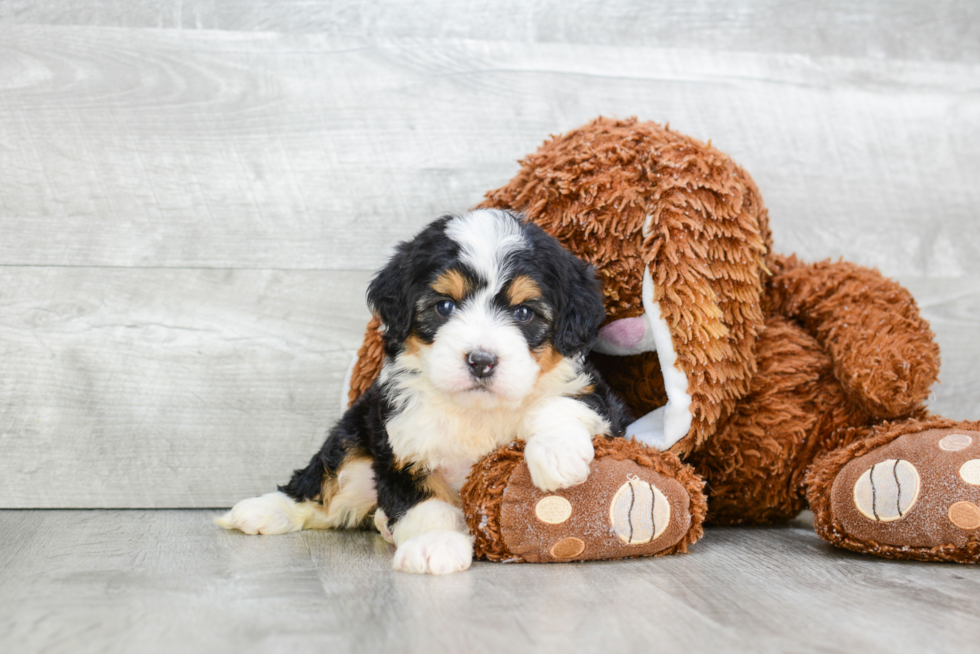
882,350
370,357
903,490
635,502
795,410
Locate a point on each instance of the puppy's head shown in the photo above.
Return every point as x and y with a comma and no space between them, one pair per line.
483,304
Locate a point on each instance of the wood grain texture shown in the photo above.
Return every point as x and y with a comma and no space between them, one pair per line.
952,307
167,581
902,29
229,149
156,388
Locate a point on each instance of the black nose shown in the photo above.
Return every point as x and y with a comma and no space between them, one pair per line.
481,363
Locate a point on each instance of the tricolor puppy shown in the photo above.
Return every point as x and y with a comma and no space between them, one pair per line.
486,321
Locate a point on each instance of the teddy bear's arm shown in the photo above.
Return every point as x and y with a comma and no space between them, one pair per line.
883,351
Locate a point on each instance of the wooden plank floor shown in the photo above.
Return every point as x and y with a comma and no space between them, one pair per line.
170,581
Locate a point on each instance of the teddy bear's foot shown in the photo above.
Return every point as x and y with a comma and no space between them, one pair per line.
636,502
909,491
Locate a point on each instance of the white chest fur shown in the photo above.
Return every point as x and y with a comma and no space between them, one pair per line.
438,434
429,428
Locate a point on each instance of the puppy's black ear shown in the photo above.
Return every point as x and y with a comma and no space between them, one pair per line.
575,291
388,296
577,323
396,288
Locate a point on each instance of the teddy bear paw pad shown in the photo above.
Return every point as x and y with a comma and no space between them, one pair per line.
921,490
623,509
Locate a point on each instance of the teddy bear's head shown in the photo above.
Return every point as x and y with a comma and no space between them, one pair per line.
680,239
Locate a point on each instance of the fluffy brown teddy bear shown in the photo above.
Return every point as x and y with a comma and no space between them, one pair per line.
751,367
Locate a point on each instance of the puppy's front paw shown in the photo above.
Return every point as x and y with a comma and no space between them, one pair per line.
437,552
272,513
560,461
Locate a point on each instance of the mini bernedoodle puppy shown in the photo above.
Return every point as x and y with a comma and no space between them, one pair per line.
487,321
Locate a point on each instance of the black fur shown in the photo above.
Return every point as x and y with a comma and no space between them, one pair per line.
394,292
571,286
361,432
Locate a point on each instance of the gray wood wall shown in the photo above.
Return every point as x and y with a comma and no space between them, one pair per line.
193,194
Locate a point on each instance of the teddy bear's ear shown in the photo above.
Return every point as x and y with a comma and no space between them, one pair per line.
705,244
662,215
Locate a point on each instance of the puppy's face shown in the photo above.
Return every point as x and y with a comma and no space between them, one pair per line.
482,305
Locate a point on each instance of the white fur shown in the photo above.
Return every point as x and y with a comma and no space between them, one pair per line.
277,513
432,539
431,428
666,425
437,552
272,513
478,325
559,449
487,237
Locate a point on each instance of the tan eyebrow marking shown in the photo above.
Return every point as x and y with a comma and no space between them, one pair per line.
522,289
452,283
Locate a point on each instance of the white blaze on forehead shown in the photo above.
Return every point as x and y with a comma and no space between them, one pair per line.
487,238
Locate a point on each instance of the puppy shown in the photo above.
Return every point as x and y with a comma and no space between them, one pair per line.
487,321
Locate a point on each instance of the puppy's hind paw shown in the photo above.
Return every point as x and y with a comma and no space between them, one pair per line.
437,552
272,513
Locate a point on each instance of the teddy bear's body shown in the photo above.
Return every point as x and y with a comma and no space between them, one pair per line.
802,352
745,364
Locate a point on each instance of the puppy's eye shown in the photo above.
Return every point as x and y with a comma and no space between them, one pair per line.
523,314
445,308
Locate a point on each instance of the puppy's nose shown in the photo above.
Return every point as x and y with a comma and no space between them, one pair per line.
481,363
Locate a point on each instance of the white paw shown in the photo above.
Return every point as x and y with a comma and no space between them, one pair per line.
272,513
558,461
436,552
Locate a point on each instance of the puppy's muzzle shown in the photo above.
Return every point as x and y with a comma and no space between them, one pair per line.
481,363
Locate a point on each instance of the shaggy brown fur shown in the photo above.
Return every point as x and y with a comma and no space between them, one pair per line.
882,351
370,356
756,461
483,492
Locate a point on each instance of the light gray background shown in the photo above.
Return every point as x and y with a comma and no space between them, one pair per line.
193,195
